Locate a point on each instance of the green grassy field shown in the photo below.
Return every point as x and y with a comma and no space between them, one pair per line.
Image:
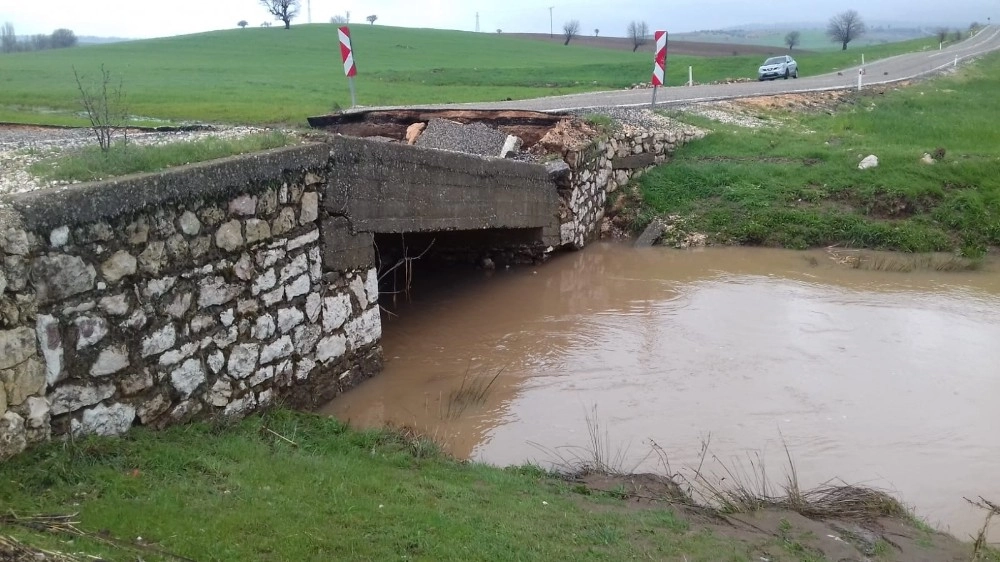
242,493
796,183
270,75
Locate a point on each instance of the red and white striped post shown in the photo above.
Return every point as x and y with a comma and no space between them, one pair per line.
660,64
347,55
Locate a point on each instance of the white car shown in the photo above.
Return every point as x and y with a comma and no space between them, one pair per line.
778,67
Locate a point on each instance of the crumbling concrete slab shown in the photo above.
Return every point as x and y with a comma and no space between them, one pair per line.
511,147
652,233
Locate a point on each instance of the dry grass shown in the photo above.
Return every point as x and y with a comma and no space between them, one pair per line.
65,526
14,550
726,488
473,391
981,548
903,263
744,487
599,455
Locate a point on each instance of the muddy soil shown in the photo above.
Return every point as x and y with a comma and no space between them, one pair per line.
779,533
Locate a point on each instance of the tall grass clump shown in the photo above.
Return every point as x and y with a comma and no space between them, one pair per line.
473,391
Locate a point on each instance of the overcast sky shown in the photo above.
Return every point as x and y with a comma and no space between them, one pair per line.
157,18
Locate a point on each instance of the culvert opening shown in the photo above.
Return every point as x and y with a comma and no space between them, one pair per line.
407,261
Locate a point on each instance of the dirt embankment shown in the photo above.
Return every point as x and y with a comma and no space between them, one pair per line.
837,523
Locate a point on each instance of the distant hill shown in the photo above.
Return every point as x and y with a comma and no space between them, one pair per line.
91,40
677,46
813,35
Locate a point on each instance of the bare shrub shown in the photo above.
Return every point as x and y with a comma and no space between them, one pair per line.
570,30
106,105
638,32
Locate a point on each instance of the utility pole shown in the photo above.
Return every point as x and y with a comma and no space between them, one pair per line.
309,10
550,21
477,22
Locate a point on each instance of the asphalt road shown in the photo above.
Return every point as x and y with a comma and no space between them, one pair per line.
892,69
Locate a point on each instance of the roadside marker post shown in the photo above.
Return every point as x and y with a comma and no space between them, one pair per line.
660,63
690,76
861,74
347,56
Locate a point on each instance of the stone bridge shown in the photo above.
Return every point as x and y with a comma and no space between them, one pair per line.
220,288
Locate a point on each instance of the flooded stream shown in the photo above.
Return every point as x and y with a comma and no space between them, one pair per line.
890,380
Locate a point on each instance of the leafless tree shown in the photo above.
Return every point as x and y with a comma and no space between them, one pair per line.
957,35
372,19
942,34
63,38
793,39
638,32
243,24
341,20
41,42
105,104
596,32
570,30
8,39
845,27
284,10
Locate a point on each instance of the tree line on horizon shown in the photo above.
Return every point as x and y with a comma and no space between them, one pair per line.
59,39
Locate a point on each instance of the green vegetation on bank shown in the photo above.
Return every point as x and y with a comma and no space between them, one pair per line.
91,163
272,75
289,486
795,182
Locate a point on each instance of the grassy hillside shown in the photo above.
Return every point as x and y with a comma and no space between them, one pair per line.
270,75
812,39
797,184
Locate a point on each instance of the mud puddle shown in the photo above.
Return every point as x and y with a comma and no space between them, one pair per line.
888,380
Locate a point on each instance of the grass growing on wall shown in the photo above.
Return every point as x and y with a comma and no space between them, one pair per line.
272,75
91,163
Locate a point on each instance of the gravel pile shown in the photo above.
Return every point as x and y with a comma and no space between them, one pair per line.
474,138
22,146
637,117
727,113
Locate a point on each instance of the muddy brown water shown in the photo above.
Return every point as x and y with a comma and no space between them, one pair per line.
891,380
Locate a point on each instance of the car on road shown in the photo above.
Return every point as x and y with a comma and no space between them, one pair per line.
778,67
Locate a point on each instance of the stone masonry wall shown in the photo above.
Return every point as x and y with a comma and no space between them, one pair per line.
158,299
603,168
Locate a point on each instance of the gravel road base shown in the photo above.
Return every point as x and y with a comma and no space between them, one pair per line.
23,145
